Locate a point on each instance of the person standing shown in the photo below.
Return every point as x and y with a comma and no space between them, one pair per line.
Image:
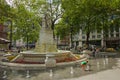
93,52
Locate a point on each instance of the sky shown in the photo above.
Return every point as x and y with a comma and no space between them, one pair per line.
9,2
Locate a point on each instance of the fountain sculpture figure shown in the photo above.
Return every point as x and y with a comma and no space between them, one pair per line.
46,43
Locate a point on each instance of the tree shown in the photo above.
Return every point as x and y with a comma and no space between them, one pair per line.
89,15
61,29
79,14
5,11
26,23
52,12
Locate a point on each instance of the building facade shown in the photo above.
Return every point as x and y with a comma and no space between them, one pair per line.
4,36
107,38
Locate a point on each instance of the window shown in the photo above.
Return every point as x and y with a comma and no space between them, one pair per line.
93,36
98,36
99,31
112,35
106,35
83,37
111,29
117,35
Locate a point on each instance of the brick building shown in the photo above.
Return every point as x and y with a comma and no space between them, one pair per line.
3,36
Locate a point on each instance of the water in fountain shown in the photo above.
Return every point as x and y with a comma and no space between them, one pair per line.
71,70
4,74
87,68
28,74
51,73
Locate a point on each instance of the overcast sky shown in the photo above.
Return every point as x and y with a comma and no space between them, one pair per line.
9,2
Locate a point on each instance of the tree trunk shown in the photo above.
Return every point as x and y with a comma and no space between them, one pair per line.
87,39
53,35
52,26
88,33
71,38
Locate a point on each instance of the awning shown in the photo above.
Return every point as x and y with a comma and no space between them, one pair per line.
3,40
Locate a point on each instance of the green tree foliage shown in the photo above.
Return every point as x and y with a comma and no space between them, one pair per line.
26,23
48,10
61,29
5,11
90,15
52,13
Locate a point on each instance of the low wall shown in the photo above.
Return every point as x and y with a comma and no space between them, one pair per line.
17,66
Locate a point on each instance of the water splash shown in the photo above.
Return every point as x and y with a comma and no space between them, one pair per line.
28,74
51,73
71,70
4,74
104,63
87,68
98,65
106,59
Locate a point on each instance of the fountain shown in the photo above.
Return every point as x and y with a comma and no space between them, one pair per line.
45,54
46,43
51,73
98,65
28,74
106,59
71,70
104,63
87,68
4,74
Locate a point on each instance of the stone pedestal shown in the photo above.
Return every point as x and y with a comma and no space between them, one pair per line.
46,42
50,61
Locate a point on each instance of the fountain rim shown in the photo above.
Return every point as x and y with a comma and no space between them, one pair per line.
46,53
18,66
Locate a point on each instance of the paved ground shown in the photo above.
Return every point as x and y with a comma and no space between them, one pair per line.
101,69
112,74
105,75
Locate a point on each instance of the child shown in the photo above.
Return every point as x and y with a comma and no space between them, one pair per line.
84,64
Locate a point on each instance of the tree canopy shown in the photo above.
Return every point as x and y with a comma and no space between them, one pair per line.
90,15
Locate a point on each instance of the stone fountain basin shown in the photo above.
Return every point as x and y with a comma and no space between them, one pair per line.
48,59
17,66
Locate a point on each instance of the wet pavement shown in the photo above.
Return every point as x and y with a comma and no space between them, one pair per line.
74,72
109,74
